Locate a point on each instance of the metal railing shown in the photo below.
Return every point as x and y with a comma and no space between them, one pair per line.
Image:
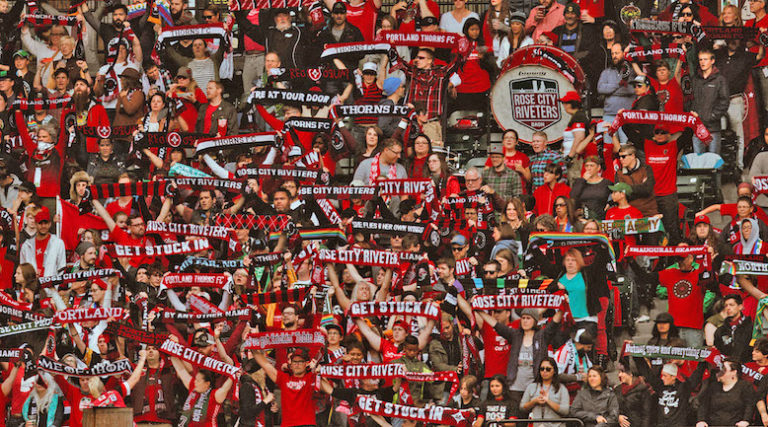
571,421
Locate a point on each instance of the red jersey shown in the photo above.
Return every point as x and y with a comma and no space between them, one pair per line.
389,351
662,158
122,238
545,197
114,207
686,298
496,352
363,16
295,398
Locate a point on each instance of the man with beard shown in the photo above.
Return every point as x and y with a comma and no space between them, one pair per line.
611,84
284,38
180,14
9,185
45,251
217,114
340,31
108,32
85,111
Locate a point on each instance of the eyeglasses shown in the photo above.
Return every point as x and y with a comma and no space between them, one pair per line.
546,369
181,78
686,14
472,179
397,153
207,17
489,271
141,224
623,156
660,132
456,248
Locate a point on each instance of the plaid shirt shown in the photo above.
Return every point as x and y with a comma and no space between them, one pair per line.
539,161
506,184
428,86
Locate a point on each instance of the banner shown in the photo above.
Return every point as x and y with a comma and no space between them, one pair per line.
177,248
309,124
698,354
663,251
79,276
285,339
187,280
278,172
282,96
102,369
261,139
313,74
340,49
17,311
198,359
519,298
105,132
438,40
232,186
358,256
214,232
617,229
37,325
506,283
666,27
439,415
190,32
12,354
736,267
77,315
395,308
661,118
180,316
216,264
171,139
338,192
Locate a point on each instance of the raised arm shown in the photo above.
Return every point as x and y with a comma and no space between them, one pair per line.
341,296
138,371
269,369
425,333
104,214
221,393
181,371
373,339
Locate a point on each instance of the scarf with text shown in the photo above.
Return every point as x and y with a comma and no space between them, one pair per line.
761,184
665,251
363,110
698,354
358,256
36,325
667,27
40,104
439,415
519,298
183,229
199,304
191,32
340,49
505,283
198,359
187,280
382,226
714,32
260,139
339,192
105,132
176,248
309,124
394,308
660,118
329,211
266,259
319,233
172,139
10,354
79,276
737,267
283,296
260,96
279,222
77,315
232,186
407,187
654,52
170,316
279,172
137,335
103,369
438,40
385,371
215,264
285,339
311,74
545,55
17,311
617,229
463,267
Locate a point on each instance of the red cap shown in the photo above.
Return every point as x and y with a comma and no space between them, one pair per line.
746,185
402,324
43,215
102,284
702,218
550,35
571,96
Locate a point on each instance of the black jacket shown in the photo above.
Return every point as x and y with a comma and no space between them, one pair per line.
723,408
638,133
671,400
350,34
635,403
290,45
541,341
733,341
710,98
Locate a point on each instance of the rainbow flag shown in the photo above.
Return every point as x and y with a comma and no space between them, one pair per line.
136,10
585,237
164,10
314,234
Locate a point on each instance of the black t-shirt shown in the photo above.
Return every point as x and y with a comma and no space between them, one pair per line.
494,410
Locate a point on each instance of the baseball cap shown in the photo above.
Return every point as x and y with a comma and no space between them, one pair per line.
670,369
339,7
517,16
550,35
43,215
641,80
459,239
4,75
702,219
572,8
335,327
370,67
390,85
571,96
621,187
495,149
22,53
301,353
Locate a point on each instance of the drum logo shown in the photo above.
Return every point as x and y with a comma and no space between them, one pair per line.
535,102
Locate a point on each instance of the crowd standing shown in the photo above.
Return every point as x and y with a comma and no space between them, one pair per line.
180,237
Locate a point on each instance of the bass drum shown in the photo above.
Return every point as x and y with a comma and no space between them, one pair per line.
526,98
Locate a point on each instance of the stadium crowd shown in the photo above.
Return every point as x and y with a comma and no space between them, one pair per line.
249,212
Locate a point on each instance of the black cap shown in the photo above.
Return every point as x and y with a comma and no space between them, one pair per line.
334,326
665,317
339,7
300,352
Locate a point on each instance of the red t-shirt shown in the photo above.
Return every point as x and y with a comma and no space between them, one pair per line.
670,96
296,398
122,238
77,400
208,114
729,209
474,79
662,158
686,298
363,16
115,207
496,352
40,246
389,351
763,23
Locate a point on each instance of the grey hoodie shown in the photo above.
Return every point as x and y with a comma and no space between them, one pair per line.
617,96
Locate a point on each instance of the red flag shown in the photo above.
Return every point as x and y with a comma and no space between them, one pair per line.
71,221
751,123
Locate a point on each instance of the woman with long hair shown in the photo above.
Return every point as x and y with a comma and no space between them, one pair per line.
186,89
131,103
157,115
507,262
26,285
595,404
565,214
496,25
731,402
506,238
440,174
477,72
634,396
45,405
516,38
372,147
499,404
514,215
417,163
546,397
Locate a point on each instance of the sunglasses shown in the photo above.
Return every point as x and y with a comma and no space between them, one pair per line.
623,156
207,17
546,369
660,132
559,205
456,248
489,271
686,14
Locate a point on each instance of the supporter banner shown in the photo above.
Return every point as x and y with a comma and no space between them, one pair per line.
463,267
698,354
266,259
260,139
619,228
283,296
761,184
47,281
262,222
172,139
340,193
198,359
16,310
404,187
186,280
40,104
105,132
434,39
201,305
364,110
282,96
519,298
507,283
37,325
142,188
314,74
229,185
309,124
439,415
103,369
12,354
411,257
745,267
667,27
212,231
38,20
390,227
137,335
177,248
190,32
222,264
358,256
362,371
299,338
76,315
660,251
180,316
661,118
324,234
329,211
278,172
339,49
311,159
654,52
395,308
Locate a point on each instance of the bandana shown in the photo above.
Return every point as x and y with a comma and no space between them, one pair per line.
103,369
263,139
339,192
176,248
438,40
283,296
216,264
178,280
358,256
394,308
214,232
438,415
77,315
79,276
280,96
285,339
170,316
231,186
660,118
340,49
655,52
198,359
